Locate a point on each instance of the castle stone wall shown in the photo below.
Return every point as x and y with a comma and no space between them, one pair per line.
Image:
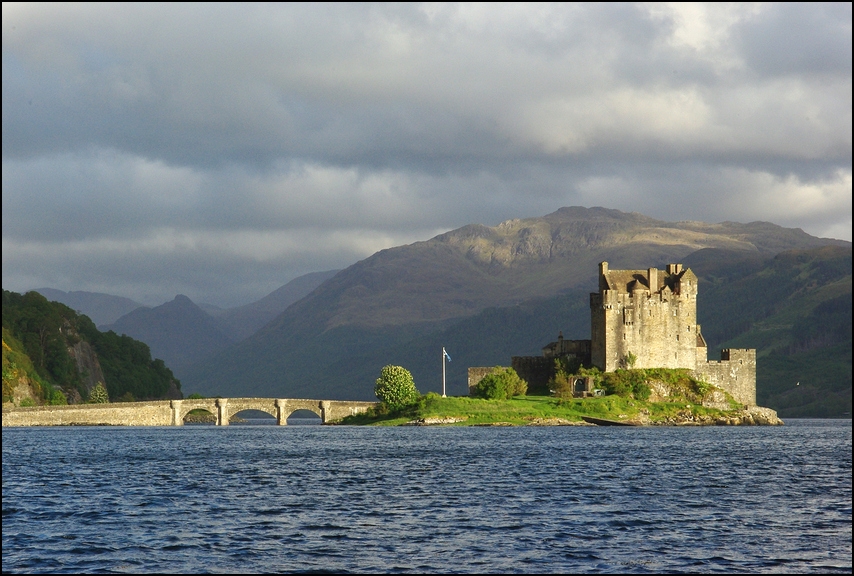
576,348
653,315
735,373
536,371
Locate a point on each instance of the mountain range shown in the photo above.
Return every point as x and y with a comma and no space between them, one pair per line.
488,293
181,332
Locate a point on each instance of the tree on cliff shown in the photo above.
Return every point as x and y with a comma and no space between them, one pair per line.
98,394
395,387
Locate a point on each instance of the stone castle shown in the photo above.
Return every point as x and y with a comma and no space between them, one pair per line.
644,319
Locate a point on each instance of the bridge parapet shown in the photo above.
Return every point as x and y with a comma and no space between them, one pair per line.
335,410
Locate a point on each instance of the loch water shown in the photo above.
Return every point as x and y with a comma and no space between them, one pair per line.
339,499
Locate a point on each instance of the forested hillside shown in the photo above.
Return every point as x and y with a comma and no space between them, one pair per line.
52,355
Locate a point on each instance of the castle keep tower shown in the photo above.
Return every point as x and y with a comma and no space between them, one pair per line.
651,314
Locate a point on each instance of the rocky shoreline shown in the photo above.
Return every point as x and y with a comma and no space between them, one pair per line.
750,416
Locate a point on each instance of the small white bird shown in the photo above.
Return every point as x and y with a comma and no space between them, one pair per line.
798,383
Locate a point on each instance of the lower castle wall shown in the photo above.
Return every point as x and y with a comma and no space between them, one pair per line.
536,371
735,373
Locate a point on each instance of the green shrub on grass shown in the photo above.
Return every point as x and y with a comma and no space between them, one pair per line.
501,384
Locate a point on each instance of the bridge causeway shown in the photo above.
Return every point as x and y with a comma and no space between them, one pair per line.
173,412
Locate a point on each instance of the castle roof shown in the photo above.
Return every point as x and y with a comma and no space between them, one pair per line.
629,280
626,281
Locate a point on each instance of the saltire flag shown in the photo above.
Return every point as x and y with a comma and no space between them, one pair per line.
448,356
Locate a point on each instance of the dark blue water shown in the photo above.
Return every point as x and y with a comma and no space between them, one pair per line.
244,499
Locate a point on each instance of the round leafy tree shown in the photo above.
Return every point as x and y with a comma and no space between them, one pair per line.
395,387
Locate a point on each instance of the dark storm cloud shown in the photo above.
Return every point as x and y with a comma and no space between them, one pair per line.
793,38
257,142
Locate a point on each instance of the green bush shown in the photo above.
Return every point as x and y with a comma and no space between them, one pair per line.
395,387
627,383
55,397
501,384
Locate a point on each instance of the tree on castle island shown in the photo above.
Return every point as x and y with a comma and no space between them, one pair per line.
395,387
501,384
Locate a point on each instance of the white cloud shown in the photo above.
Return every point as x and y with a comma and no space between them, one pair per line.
789,199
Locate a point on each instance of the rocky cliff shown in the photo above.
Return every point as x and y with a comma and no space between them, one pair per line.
88,367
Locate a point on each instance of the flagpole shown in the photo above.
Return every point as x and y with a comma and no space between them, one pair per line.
443,371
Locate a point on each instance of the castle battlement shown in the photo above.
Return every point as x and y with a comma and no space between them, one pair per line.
650,314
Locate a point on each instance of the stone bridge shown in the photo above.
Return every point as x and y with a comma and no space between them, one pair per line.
172,412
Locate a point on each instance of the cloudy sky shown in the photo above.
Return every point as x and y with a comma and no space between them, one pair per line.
221,150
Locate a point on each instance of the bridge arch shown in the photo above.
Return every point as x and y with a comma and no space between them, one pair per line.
304,416
181,408
266,405
288,407
197,416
